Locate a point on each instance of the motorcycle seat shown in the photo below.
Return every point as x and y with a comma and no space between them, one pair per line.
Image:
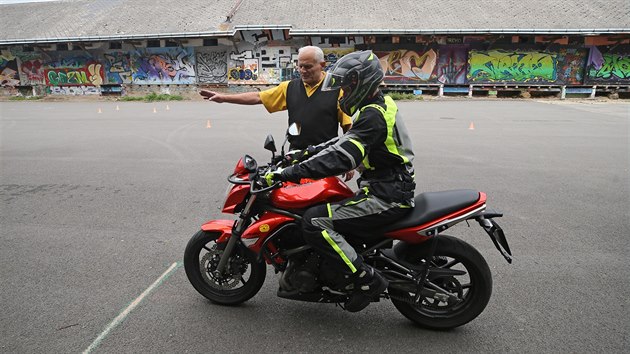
434,205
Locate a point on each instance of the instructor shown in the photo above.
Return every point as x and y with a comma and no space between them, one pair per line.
316,111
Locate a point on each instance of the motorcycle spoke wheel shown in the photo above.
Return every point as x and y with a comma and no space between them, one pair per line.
240,280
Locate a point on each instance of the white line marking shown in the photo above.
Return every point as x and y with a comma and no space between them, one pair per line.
121,317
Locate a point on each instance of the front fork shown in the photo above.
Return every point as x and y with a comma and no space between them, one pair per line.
237,231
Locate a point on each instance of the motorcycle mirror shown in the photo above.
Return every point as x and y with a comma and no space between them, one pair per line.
250,164
270,144
294,129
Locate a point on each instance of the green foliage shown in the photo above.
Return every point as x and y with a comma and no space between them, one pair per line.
25,98
397,96
153,97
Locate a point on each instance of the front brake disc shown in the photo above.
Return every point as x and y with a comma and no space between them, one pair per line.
230,278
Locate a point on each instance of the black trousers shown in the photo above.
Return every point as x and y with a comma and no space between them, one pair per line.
323,226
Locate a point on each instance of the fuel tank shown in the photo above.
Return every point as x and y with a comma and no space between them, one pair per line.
310,192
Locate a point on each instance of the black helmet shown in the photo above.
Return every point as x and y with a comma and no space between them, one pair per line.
358,74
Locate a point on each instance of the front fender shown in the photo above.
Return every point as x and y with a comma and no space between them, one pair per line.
222,227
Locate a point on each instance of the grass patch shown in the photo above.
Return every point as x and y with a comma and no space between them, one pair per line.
397,96
153,97
25,98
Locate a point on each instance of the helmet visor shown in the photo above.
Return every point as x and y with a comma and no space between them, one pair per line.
332,82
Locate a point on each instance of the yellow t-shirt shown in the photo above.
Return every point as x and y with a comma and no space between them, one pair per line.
275,100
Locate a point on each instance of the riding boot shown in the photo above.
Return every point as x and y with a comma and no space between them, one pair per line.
368,285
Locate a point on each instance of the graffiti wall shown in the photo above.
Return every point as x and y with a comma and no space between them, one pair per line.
70,72
267,57
333,54
73,90
211,67
608,67
409,66
262,65
243,68
571,65
502,66
452,65
90,74
32,72
163,66
9,75
117,67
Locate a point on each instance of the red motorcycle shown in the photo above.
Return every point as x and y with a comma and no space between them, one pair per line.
436,281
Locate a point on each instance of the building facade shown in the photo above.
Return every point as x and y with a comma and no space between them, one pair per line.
246,56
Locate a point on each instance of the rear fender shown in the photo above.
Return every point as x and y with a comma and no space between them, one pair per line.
495,232
222,227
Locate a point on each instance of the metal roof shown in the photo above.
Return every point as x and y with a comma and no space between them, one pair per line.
444,16
93,20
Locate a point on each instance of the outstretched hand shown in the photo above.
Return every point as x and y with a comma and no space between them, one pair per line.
212,96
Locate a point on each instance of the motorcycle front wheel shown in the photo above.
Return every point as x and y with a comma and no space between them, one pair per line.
242,277
459,270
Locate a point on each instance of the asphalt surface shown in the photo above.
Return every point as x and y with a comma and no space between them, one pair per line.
95,207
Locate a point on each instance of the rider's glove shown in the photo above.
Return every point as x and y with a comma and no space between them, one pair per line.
297,156
272,177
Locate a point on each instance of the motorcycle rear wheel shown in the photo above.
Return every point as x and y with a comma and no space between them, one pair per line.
472,289
243,276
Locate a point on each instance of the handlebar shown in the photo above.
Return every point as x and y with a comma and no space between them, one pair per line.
256,181
254,190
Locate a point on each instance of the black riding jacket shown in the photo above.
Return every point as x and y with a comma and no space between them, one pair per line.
377,144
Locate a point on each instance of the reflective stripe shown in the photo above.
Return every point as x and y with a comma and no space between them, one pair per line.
353,202
366,163
338,250
359,145
329,210
390,119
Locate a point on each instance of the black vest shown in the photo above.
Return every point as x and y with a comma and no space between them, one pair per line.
317,115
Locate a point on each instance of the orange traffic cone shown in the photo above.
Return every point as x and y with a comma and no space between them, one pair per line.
471,126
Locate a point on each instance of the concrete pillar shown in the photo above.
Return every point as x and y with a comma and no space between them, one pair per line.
441,91
593,91
470,90
563,92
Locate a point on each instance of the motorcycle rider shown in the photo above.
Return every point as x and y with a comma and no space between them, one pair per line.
378,144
